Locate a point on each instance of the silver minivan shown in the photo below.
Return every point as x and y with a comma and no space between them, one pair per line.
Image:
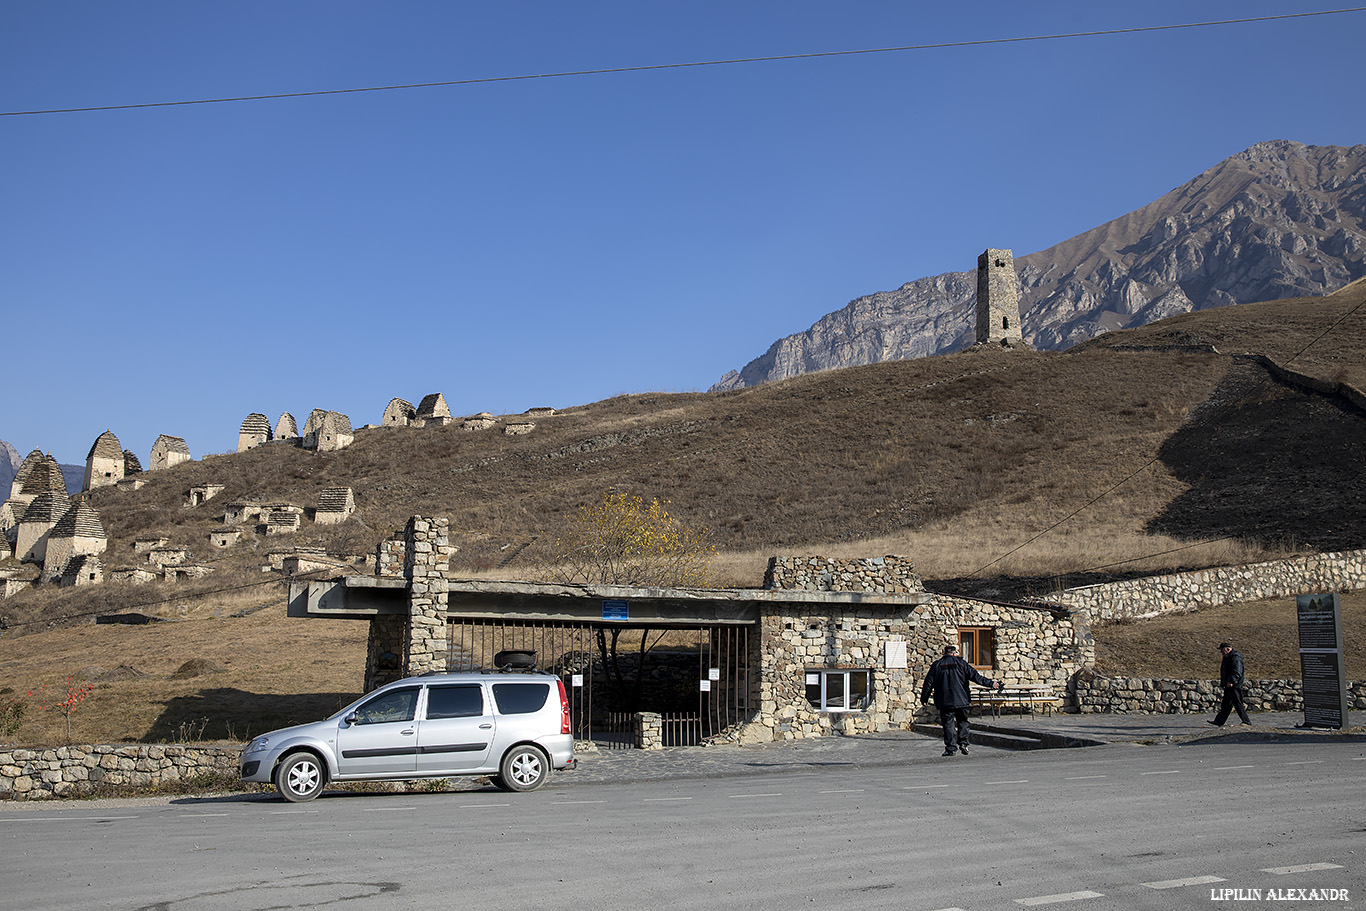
512,727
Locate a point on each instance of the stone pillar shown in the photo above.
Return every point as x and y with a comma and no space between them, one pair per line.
649,731
384,653
998,303
426,566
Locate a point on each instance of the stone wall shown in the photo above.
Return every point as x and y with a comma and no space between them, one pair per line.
65,771
1154,595
886,575
1096,694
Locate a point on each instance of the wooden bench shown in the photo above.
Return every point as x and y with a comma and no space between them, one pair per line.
1024,696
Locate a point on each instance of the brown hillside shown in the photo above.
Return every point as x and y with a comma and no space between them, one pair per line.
1001,471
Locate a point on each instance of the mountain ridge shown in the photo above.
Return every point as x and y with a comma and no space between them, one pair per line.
1280,219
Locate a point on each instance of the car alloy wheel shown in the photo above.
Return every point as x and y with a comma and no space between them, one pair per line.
300,777
524,768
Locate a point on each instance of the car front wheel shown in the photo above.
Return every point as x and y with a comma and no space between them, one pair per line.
300,777
524,768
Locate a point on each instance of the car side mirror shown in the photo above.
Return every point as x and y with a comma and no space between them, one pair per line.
350,719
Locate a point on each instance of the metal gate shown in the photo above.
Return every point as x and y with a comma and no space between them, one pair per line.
697,678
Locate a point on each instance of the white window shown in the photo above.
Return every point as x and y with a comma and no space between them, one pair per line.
838,690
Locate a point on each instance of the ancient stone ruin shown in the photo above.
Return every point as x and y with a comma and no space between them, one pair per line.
998,303
432,412
327,431
399,413
104,464
255,430
481,421
78,533
198,496
169,451
335,505
286,428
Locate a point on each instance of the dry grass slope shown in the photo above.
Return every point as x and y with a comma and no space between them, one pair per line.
1137,452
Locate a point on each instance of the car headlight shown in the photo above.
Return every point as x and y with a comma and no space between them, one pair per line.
257,745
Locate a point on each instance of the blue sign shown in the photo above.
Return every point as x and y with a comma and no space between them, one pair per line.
616,610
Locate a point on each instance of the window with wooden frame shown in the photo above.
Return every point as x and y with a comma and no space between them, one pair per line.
977,645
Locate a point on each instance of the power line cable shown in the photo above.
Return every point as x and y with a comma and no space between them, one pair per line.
698,63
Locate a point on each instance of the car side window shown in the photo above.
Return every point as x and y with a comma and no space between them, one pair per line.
463,700
395,705
520,698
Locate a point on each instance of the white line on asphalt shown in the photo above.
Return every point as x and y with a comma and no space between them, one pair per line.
1188,881
924,787
747,796
843,791
1302,868
1230,768
1306,762
483,806
664,799
387,809
67,818
1063,897
1163,772
1084,777
950,909
1011,781
294,812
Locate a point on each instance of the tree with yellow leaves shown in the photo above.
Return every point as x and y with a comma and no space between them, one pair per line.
622,540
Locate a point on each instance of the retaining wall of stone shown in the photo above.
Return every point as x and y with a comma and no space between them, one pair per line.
889,575
66,771
1154,595
1095,694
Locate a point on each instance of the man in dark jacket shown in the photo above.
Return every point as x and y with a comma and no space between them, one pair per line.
948,681
1231,684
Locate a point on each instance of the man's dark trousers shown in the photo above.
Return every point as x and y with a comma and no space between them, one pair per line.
1233,699
955,725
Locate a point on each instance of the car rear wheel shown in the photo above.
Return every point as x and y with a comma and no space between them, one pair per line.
524,768
300,777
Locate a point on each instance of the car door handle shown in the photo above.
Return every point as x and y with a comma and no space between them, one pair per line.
485,727
407,733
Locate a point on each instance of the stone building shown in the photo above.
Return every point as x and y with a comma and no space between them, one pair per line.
327,431
432,412
25,469
335,505
104,464
78,533
998,303
286,428
40,516
254,431
131,464
244,512
85,569
398,413
281,520
202,494
481,421
168,451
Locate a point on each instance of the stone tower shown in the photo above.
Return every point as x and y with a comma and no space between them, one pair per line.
104,463
998,303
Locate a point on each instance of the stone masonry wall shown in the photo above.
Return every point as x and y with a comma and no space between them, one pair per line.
1095,694
886,575
38,774
427,566
1142,598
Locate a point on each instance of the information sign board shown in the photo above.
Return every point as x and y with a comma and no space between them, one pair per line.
616,610
1324,681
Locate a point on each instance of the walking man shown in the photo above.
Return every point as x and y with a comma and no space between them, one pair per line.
948,680
1231,683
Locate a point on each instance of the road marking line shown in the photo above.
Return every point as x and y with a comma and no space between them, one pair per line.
294,812
664,799
1063,897
67,818
843,791
1302,868
201,815
1306,762
483,806
387,809
1164,772
1230,768
1188,881
1011,781
561,802
924,787
1084,777
748,796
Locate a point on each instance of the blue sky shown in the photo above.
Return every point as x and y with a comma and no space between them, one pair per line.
559,241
